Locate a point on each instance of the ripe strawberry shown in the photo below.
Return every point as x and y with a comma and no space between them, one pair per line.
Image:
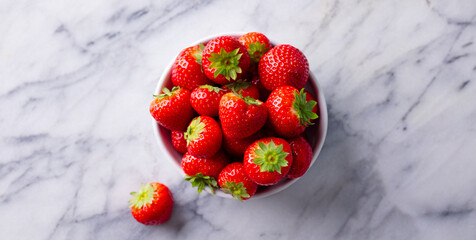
302,157
283,65
225,60
187,69
203,171
245,88
205,100
257,45
203,137
240,117
178,141
153,204
290,111
233,180
237,147
172,109
268,160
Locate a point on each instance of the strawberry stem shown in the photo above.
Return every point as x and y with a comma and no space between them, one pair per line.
304,108
194,130
238,85
201,181
256,51
199,54
226,63
166,92
211,88
143,197
248,100
270,157
237,190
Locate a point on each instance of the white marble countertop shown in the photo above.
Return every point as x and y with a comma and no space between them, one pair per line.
76,79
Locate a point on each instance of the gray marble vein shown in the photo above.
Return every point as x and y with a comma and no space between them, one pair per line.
76,79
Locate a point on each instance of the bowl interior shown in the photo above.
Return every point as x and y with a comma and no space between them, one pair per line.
315,134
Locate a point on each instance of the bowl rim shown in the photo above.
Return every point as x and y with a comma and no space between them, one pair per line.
323,122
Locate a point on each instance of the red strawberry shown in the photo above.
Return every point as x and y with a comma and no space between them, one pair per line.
302,157
225,60
240,117
237,147
245,88
178,141
152,205
283,65
205,100
203,137
257,45
203,171
233,180
187,69
172,109
268,160
290,111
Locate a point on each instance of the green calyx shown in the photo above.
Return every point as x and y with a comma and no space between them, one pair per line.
211,88
304,108
194,130
256,51
248,100
226,63
143,197
198,55
237,190
238,85
270,157
201,181
166,92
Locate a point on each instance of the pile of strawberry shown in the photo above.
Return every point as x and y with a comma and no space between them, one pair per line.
237,112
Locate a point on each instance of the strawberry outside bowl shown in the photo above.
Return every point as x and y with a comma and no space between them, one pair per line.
315,134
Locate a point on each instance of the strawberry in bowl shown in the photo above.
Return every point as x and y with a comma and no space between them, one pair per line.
272,122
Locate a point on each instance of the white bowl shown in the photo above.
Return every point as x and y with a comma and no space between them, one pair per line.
316,133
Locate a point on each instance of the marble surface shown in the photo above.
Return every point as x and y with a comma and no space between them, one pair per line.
76,79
